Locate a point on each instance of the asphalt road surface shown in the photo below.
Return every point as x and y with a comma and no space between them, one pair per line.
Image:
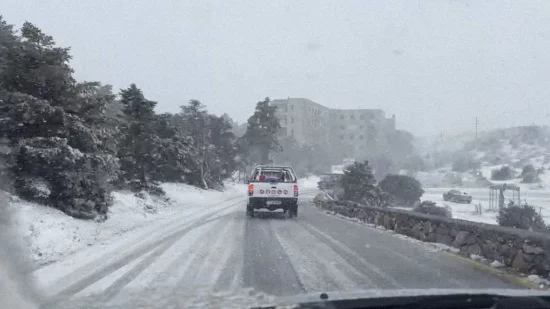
219,252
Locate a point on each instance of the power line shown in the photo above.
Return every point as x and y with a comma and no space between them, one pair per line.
477,124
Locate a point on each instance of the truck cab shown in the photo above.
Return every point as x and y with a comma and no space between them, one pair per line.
273,187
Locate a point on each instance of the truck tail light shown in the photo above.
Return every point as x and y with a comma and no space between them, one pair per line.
295,190
250,189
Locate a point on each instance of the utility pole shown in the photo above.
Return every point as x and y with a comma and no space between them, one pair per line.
477,124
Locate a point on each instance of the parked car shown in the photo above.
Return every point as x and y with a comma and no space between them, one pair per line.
456,196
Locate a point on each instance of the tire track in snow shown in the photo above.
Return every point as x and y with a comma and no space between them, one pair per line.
190,277
427,264
170,261
163,243
426,267
183,261
318,266
230,277
231,247
430,260
58,276
420,266
121,282
359,263
118,285
99,286
266,265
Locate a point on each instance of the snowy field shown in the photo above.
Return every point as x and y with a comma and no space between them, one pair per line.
52,235
441,180
538,198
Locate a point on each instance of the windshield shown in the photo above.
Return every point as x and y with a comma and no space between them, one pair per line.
204,152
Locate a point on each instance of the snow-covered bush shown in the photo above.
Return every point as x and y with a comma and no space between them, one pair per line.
503,173
359,185
430,208
529,174
75,182
521,217
404,190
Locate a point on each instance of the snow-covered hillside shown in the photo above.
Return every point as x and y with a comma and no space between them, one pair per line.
429,144
513,147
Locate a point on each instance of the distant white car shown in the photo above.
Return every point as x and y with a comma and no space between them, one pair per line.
273,187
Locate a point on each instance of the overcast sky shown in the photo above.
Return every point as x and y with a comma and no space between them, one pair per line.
436,64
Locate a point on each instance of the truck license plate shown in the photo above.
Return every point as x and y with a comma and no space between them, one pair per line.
273,202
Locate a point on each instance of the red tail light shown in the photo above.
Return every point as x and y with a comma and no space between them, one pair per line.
250,189
295,190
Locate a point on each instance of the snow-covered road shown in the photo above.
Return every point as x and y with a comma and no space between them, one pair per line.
205,253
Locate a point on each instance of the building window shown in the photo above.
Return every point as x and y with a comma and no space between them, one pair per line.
342,117
285,120
361,127
291,132
362,117
361,137
342,137
342,127
291,107
351,136
286,108
291,119
352,117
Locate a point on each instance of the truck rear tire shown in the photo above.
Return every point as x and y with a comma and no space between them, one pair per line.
249,211
293,211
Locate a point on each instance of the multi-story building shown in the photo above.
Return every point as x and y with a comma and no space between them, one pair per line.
352,133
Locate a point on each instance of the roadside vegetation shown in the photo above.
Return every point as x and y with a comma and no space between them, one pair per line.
404,190
522,216
430,208
69,144
359,185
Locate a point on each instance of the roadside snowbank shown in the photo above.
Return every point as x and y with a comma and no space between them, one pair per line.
52,235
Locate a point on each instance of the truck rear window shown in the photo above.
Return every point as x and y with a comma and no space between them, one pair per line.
274,175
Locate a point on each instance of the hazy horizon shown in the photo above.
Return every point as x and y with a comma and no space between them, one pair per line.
436,65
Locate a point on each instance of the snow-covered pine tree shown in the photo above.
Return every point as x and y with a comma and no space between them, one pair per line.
360,186
139,140
60,154
261,133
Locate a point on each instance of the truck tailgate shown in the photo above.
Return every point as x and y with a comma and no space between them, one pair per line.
277,190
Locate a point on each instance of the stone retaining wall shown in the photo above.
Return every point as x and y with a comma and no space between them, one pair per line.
525,251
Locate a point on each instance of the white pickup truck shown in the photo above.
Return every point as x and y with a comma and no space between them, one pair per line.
273,187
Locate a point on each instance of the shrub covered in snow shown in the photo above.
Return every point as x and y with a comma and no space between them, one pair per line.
430,208
404,190
529,174
503,173
360,186
521,217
